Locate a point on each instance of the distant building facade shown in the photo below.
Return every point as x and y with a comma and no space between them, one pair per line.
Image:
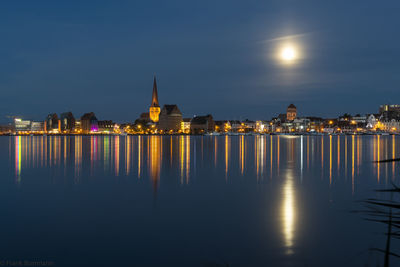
222,126
170,118
89,123
391,108
185,125
7,129
106,126
21,125
291,112
202,124
37,127
52,124
67,122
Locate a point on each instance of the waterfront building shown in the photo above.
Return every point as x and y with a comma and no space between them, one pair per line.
249,126
185,125
67,122
281,117
170,119
301,124
392,125
359,120
372,120
154,110
236,126
106,126
316,124
261,126
89,123
77,127
291,112
202,124
390,108
389,121
22,126
7,129
37,127
222,126
52,123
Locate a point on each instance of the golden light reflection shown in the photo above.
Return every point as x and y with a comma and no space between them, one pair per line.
271,150
215,151
170,150
338,153
352,163
358,154
127,154
181,154
301,155
78,155
308,152
322,155
227,147
256,155
18,159
116,155
106,151
85,153
288,212
378,157
241,154
393,155
330,159
345,155
187,159
277,153
155,160
261,149
139,155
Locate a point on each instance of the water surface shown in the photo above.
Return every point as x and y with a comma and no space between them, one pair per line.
192,200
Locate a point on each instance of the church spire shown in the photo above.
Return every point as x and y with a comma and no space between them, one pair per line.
154,100
154,110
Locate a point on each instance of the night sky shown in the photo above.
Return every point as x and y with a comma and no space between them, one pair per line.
213,57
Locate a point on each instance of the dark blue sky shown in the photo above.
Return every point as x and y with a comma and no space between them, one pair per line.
209,57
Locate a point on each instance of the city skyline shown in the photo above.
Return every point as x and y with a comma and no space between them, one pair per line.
218,60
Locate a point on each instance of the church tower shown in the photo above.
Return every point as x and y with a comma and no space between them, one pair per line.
154,111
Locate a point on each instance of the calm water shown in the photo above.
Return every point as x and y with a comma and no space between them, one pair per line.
192,201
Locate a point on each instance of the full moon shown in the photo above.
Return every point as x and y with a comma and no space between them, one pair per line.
288,53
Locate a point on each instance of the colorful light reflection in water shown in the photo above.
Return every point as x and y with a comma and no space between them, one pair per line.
261,158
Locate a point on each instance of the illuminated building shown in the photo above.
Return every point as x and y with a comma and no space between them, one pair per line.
301,124
67,122
89,123
22,125
236,126
106,126
202,124
185,125
371,121
390,108
154,110
52,123
291,112
389,121
222,126
249,126
37,126
170,118
260,126
7,129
